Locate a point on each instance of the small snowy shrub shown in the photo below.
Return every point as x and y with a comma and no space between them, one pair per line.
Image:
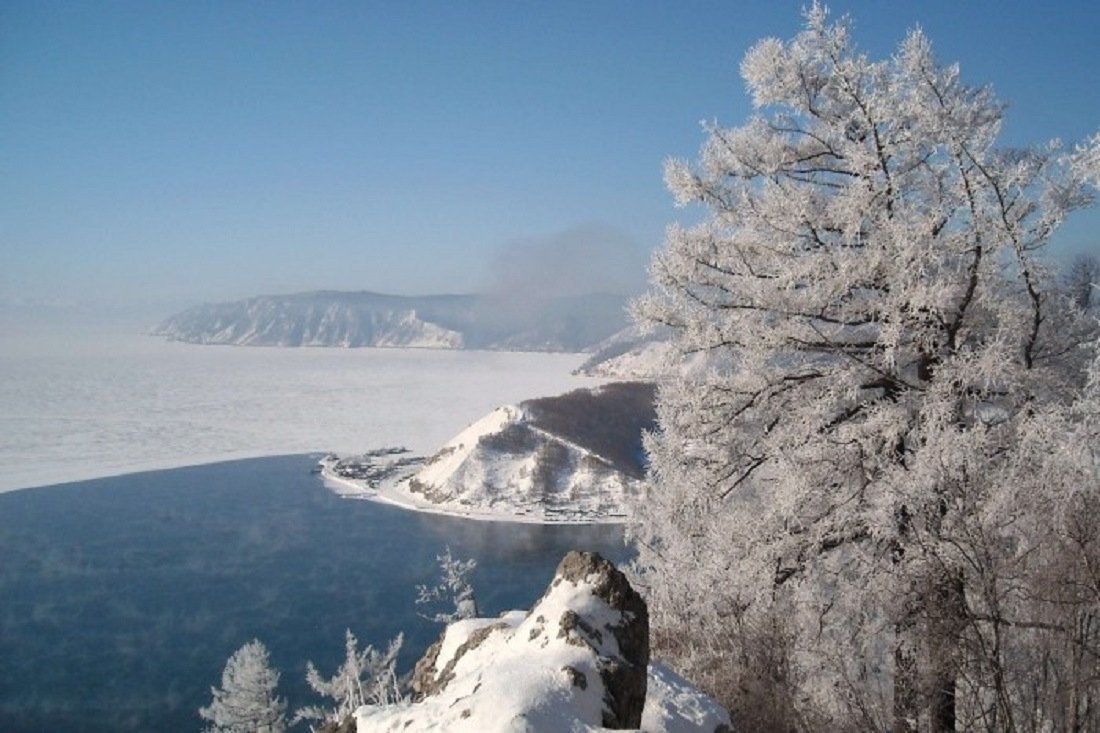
453,590
366,677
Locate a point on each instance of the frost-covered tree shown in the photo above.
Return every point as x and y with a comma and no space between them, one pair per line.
847,479
246,701
1083,281
366,677
453,589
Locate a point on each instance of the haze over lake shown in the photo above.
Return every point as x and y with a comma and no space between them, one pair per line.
123,597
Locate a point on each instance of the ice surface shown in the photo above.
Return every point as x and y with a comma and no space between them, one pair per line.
97,404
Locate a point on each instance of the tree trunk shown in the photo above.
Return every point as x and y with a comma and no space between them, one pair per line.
925,663
906,680
947,618
943,704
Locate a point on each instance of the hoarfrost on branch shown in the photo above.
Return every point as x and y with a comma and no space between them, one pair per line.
882,447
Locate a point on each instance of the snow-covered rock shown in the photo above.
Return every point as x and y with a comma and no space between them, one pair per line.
577,661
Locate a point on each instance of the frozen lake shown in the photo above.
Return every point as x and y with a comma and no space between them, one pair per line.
123,595
83,403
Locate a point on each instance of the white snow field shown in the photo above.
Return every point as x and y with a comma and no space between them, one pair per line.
81,404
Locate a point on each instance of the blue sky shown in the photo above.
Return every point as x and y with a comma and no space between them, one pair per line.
170,152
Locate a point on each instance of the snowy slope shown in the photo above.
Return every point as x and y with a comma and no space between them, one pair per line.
649,355
516,459
504,461
461,449
632,353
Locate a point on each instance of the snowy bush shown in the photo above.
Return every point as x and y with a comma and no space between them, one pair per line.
366,677
453,590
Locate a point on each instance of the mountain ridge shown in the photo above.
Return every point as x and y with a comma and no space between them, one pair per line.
353,319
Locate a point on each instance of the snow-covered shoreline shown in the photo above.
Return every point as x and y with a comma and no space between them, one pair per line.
568,459
396,493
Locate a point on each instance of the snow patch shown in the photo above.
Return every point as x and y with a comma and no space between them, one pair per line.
674,705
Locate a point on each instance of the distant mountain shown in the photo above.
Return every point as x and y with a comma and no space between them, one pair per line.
332,318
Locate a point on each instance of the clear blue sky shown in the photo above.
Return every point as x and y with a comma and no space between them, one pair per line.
185,151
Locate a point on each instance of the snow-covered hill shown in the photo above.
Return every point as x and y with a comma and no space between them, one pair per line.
330,318
573,458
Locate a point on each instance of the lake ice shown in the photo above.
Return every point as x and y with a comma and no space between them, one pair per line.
89,403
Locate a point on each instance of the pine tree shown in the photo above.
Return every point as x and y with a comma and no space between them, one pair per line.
246,701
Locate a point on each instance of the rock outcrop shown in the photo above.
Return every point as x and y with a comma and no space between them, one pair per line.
623,675
577,661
